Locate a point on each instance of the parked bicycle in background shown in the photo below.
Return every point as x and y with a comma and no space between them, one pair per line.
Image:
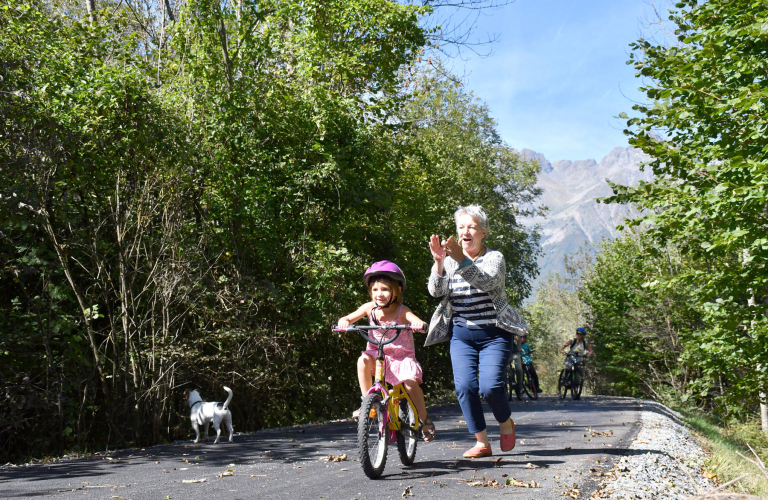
530,380
515,372
572,376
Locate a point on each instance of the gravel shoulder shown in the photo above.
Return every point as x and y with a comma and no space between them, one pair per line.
664,462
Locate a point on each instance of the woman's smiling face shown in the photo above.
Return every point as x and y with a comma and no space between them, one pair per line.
470,235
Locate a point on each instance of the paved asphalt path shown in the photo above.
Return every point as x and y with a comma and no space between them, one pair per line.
560,444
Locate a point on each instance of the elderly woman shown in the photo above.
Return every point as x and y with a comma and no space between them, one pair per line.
471,280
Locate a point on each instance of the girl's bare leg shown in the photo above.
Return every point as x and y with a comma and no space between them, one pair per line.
417,396
365,364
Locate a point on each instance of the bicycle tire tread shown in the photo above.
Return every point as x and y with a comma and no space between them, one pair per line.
370,468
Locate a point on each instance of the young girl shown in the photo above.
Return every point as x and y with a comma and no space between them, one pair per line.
386,282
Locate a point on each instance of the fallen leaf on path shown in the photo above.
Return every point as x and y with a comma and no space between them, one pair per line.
492,483
408,493
336,458
194,480
572,492
531,466
511,481
229,472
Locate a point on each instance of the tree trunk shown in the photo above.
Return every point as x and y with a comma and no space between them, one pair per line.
225,53
169,11
762,394
84,309
91,6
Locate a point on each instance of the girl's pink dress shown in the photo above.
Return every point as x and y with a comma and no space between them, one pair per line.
400,355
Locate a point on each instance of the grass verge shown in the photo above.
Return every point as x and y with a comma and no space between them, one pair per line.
724,445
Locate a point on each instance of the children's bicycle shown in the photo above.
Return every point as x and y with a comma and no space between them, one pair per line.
386,415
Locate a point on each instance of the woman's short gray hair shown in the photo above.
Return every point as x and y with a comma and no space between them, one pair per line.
477,213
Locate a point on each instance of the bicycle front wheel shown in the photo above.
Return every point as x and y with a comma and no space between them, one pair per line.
562,387
577,384
372,436
407,436
510,381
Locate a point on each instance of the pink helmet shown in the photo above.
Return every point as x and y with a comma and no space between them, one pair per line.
386,268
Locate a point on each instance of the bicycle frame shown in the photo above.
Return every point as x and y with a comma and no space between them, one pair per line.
577,363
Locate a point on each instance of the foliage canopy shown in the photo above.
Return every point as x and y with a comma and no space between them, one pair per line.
705,127
189,198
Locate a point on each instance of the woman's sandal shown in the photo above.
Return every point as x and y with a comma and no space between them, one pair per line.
427,430
507,441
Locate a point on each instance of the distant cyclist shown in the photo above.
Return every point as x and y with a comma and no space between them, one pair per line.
579,346
525,356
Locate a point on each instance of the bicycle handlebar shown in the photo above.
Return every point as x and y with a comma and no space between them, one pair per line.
578,357
363,328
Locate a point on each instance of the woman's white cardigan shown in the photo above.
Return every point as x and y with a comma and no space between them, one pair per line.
488,276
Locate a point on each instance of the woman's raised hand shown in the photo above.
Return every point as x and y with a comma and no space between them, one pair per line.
453,249
438,250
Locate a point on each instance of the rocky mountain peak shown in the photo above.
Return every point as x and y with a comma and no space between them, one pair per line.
570,192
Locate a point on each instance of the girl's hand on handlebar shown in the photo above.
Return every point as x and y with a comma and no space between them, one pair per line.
418,325
343,322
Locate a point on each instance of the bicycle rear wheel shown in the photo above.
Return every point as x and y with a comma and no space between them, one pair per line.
372,436
528,385
562,387
407,436
515,378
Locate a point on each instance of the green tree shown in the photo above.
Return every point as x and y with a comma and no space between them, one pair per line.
190,197
641,321
456,157
706,129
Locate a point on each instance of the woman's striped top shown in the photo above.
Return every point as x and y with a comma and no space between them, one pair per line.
472,307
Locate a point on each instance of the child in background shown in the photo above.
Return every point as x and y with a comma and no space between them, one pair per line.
386,282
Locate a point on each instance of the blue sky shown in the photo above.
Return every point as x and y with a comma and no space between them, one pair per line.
557,77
